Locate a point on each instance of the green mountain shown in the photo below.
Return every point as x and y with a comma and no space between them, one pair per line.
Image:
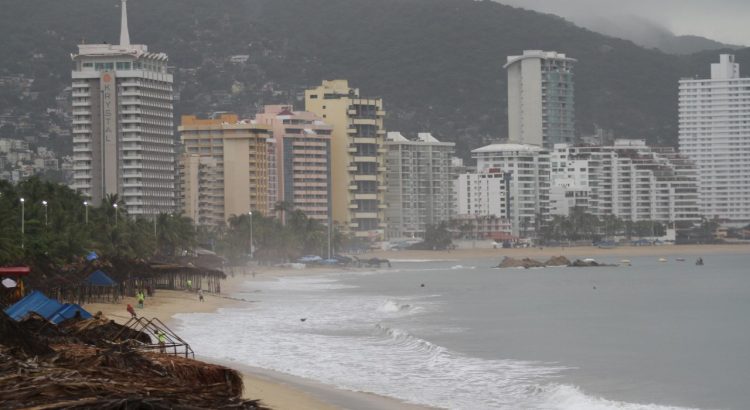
436,63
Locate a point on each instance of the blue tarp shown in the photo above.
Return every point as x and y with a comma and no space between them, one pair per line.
100,278
68,311
91,256
49,309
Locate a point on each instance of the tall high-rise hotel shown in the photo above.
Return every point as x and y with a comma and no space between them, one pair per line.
540,98
123,140
714,121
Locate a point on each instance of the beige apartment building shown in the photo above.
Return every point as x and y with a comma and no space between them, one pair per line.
301,162
223,169
357,156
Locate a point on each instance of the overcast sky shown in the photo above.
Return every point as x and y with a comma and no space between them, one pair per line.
727,21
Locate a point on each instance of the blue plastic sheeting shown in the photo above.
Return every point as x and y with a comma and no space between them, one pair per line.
68,311
91,256
49,309
100,278
35,302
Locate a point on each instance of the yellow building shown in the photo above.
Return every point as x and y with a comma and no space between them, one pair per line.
224,168
357,156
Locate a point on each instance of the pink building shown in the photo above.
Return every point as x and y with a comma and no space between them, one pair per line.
302,166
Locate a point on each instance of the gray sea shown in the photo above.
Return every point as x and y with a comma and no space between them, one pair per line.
653,335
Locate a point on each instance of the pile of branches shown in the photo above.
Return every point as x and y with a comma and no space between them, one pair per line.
105,375
86,377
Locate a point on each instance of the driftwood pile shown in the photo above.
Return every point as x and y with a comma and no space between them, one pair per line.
81,376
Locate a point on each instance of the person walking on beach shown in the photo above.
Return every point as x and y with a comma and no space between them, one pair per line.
190,285
162,340
131,311
200,295
141,298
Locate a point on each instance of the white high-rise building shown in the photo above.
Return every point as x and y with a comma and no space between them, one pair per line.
523,199
714,119
540,98
420,180
123,139
629,180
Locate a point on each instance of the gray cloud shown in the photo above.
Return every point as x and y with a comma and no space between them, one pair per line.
721,20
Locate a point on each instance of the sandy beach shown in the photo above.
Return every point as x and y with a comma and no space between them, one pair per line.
282,391
276,390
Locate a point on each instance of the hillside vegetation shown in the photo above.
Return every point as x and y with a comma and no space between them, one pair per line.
437,63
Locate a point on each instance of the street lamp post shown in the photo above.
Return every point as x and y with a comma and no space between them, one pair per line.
45,212
23,221
116,214
86,207
251,233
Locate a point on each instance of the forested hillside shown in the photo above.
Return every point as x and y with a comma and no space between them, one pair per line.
437,63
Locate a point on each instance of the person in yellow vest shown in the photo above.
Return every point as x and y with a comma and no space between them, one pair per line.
162,340
140,297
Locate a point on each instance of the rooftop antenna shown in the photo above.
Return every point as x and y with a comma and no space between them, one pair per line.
124,34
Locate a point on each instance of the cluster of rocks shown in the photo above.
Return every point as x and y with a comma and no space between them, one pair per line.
527,263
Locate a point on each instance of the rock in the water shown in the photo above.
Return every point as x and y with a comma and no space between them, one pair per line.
558,261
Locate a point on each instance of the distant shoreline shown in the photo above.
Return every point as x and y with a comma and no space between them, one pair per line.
690,252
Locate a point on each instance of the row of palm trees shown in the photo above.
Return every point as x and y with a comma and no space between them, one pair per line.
582,226
60,226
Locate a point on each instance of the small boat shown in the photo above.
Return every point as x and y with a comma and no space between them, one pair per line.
680,259
625,262
662,259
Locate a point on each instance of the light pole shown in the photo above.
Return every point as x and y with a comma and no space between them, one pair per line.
23,221
251,233
45,212
116,214
86,207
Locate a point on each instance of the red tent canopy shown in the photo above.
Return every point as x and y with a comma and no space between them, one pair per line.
15,271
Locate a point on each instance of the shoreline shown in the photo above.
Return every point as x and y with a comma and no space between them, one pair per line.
282,391
693,251
279,391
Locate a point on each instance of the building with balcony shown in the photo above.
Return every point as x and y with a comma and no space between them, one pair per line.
123,140
540,98
629,180
511,183
301,163
714,132
420,180
223,169
357,156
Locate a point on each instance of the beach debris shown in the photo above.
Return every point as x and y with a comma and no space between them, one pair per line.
42,375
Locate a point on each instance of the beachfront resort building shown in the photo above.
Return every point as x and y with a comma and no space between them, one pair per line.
511,182
420,181
123,141
301,161
357,156
540,98
223,169
629,180
714,131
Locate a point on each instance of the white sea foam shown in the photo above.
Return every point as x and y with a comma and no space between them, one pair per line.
348,340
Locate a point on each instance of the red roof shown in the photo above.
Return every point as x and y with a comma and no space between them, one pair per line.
15,271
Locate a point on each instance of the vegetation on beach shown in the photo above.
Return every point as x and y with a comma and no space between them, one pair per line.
68,228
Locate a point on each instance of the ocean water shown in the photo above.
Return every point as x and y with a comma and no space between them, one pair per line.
650,336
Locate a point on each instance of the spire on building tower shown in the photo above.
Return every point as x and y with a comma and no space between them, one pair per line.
124,34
